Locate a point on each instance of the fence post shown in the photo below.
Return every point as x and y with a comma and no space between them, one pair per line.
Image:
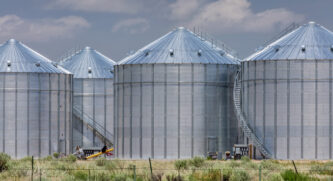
88,174
260,173
151,169
221,174
40,174
32,168
134,173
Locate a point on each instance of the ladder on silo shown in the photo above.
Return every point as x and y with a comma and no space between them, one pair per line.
101,132
243,123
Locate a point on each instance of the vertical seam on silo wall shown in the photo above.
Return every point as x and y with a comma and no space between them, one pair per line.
16,76
4,112
219,142
82,108
227,112
58,114
50,116
115,105
255,99
165,110
178,110
275,109
65,112
131,113
94,111
192,109
105,105
302,107
248,97
316,110
122,116
288,110
264,103
205,109
222,114
28,114
71,113
152,111
39,116
141,104
330,107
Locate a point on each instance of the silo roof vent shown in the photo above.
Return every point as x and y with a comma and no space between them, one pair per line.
171,52
37,64
303,48
55,64
9,63
199,53
222,53
146,52
331,48
89,60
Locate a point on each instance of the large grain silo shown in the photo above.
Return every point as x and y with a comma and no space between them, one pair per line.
35,103
173,99
286,95
93,97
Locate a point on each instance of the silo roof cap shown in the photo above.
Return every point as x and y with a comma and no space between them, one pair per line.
310,41
89,63
17,57
180,46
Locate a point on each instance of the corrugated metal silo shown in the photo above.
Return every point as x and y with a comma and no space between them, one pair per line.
93,97
174,99
287,94
35,103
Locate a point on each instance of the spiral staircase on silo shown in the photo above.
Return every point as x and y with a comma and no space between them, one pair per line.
249,133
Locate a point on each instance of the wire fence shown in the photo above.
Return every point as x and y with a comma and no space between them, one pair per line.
161,170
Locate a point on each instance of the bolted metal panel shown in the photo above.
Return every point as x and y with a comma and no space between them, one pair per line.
28,108
163,110
296,107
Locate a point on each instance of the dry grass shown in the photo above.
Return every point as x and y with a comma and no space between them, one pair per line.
115,169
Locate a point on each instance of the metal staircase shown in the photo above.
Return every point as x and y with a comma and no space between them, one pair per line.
243,123
101,132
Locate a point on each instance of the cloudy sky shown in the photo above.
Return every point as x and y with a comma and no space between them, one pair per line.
117,27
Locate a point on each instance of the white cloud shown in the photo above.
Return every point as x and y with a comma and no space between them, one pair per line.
111,6
133,26
12,26
182,9
236,15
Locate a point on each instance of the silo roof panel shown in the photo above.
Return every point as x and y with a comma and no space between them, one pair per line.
310,41
89,63
180,46
17,57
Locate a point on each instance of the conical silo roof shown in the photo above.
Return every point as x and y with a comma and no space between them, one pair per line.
89,63
17,57
310,41
180,46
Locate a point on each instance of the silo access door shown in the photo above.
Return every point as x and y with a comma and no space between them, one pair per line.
212,147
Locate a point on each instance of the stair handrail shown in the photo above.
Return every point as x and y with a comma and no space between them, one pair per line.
243,123
92,123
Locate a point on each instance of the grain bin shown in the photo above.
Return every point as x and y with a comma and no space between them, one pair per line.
93,97
286,94
35,103
173,99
